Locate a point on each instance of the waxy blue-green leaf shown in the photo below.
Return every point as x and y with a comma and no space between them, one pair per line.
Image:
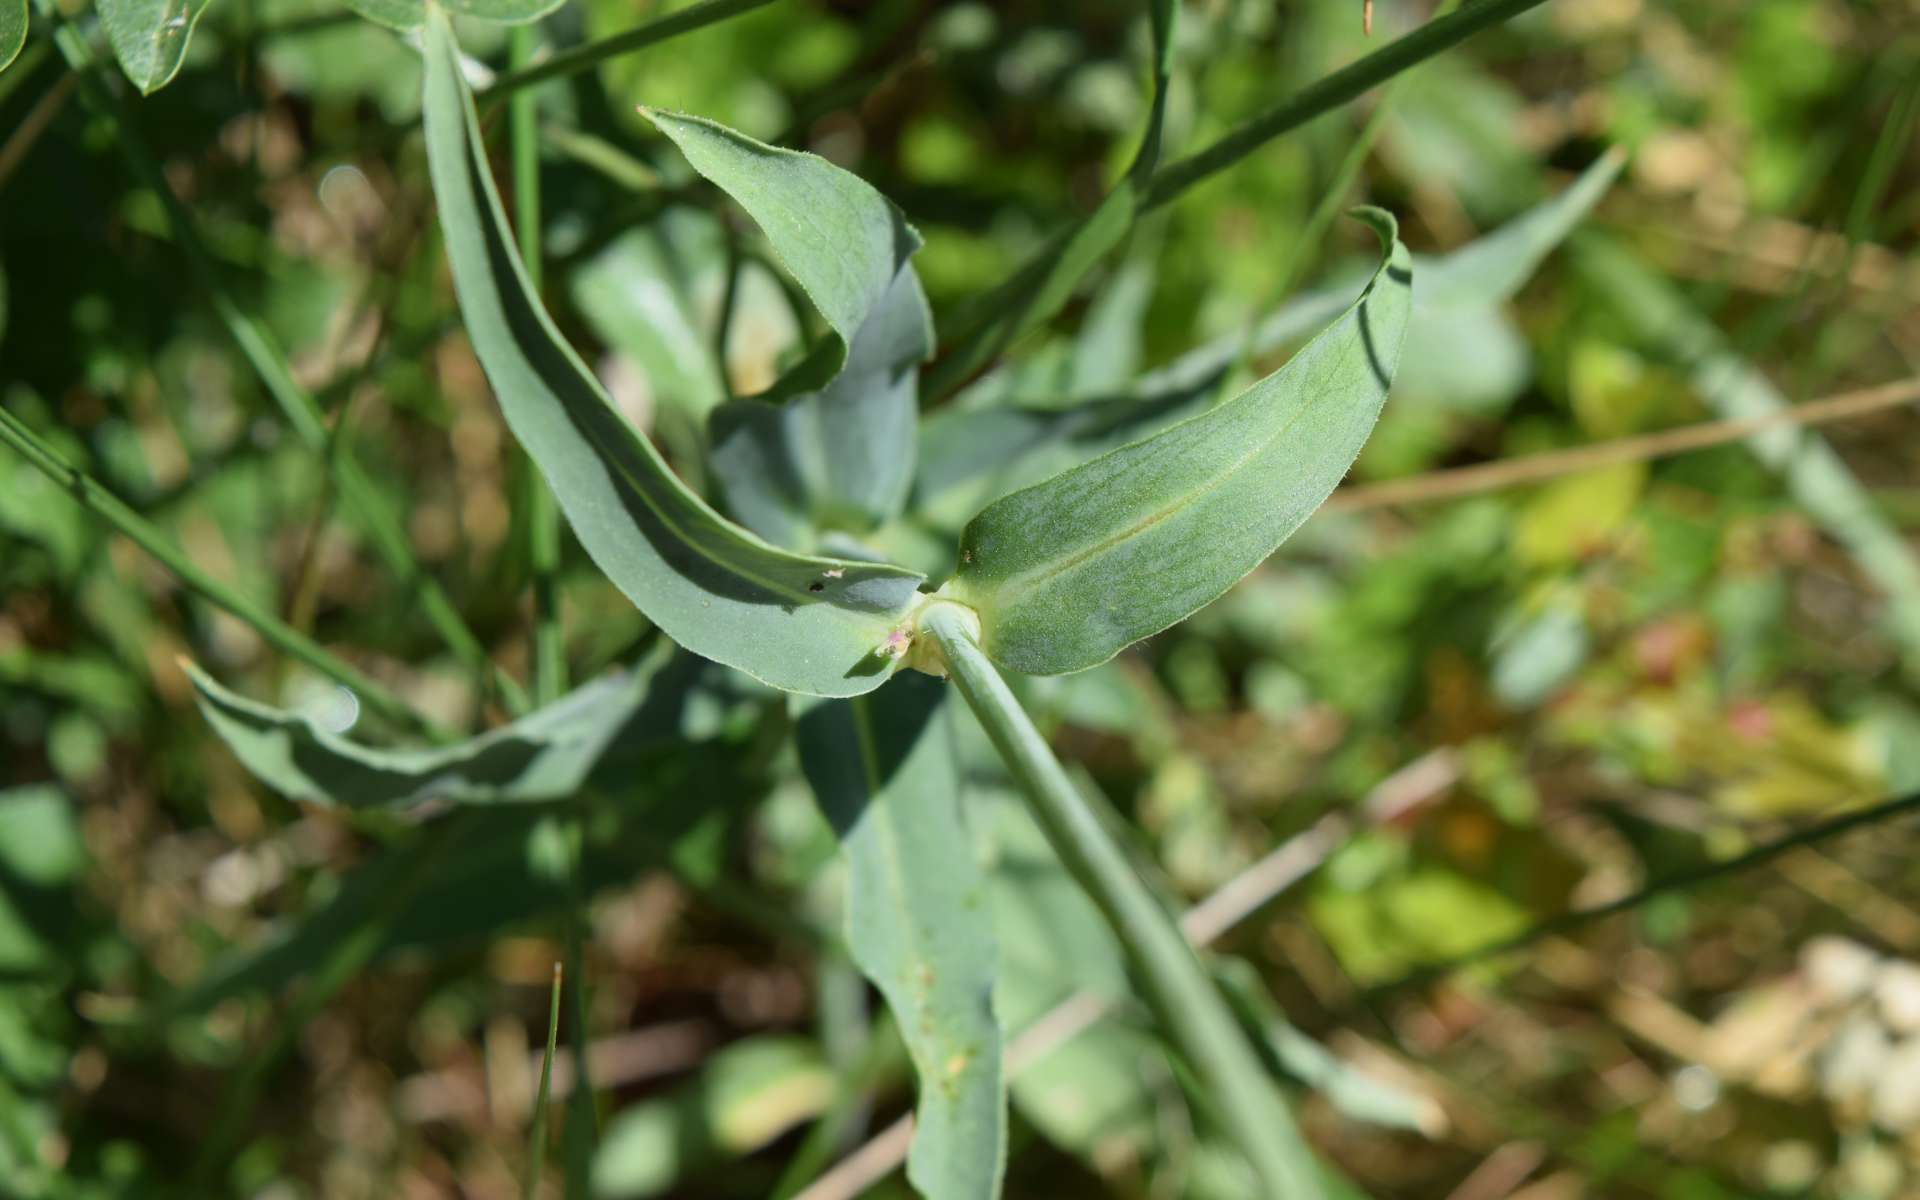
149,37
799,623
1066,573
837,452
841,458
545,755
918,924
845,243
13,30
412,14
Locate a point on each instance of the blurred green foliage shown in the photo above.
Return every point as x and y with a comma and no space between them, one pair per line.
1601,679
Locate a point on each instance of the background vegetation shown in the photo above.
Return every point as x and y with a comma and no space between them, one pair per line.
1461,707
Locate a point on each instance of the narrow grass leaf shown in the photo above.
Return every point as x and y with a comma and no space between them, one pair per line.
838,456
1066,573
537,1136
1352,1092
543,756
803,624
884,771
150,37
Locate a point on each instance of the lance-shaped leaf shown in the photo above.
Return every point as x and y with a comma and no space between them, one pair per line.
545,755
149,37
839,456
13,30
1068,572
918,924
1042,288
412,14
799,623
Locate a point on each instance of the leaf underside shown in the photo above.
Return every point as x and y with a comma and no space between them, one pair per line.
802,624
918,923
412,14
1068,572
544,756
838,456
150,37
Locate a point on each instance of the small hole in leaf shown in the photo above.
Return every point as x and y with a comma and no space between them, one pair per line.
816,587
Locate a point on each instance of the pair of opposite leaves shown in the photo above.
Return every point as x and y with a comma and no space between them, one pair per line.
1062,575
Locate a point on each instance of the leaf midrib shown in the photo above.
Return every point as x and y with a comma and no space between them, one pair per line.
1034,578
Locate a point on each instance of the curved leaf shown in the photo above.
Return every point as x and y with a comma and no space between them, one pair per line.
412,14
917,919
149,37
846,244
13,30
798,623
839,457
1066,573
545,755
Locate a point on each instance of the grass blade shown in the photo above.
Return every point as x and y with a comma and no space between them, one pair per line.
95,498
269,362
537,1138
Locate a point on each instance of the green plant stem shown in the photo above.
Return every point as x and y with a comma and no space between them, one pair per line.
93,496
302,412
537,1137
1190,1010
543,515
1329,93
581,58
1174,178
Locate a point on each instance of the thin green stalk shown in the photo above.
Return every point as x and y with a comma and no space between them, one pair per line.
1190,1010
95,498
302,412
1567,922
582,1118
1321,219
581,58
543,515
537,1150
1329,93
1174,178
